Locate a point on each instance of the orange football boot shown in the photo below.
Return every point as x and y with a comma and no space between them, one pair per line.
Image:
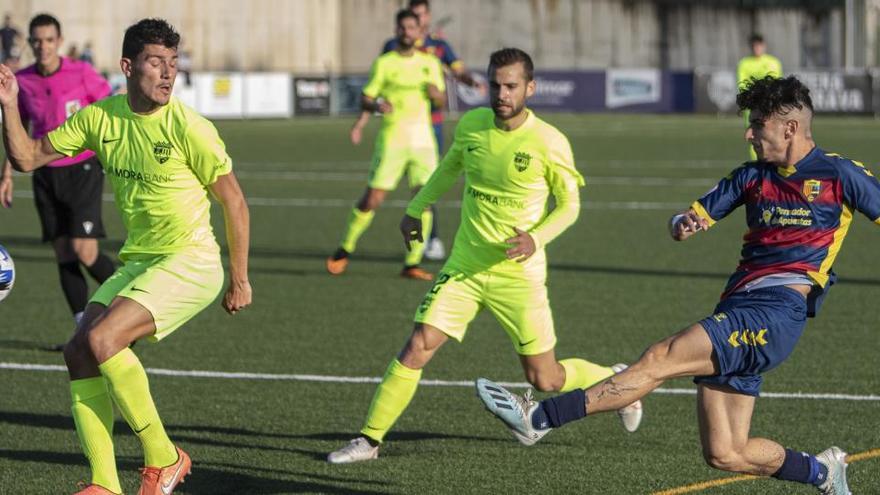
161,481
416,273
93,490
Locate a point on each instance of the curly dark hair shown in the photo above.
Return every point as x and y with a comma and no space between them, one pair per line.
771,95
148,32
510,56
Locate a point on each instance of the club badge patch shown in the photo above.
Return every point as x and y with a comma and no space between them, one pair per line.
521,161
162,151
811,189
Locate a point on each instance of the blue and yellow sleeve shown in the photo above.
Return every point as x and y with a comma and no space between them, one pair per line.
861,189
449,57
725,197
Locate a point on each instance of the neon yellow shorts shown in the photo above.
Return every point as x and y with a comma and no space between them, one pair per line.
174,288
391,160
521,306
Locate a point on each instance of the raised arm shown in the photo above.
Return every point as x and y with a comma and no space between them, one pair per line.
227,192
25,154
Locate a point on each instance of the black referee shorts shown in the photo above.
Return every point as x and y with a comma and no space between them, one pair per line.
69,200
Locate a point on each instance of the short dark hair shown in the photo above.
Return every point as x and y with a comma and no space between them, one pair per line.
404,13
148,32
510,56
417,3
771,95
755,38
43,20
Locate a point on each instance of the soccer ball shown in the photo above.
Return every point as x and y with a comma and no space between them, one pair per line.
7,273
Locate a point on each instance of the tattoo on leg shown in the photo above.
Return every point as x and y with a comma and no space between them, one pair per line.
612,388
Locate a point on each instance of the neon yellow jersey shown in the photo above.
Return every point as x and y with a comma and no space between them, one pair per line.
401,81
752,67
159,166
509,177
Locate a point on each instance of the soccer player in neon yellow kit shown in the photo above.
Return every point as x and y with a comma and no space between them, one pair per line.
162,160
756,66
403,84
512,162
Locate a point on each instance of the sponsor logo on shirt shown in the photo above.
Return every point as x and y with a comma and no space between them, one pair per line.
495,200
162,151
138,176
777,215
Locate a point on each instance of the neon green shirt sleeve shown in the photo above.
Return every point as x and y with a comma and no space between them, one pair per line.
205,151
72,137
374,85
441,180
564,181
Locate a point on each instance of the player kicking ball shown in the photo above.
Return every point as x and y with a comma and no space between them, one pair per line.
162,159
512,163
799,202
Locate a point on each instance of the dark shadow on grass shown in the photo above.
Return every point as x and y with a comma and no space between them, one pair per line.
29,345
205,479
66,458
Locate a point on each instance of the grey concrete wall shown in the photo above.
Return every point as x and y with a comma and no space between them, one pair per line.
332,36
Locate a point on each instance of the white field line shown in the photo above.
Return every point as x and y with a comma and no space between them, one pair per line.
399,203
431,383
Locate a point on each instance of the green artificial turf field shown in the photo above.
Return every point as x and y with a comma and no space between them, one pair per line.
617,283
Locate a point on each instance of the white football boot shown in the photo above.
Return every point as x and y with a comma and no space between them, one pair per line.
515,411
435,251
357,450
835,460
631,415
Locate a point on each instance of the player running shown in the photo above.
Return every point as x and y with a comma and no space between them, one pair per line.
162,160
799,203
433,44
67,192
512,162
403,84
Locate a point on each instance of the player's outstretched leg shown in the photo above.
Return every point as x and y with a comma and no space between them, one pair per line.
517,412
392,396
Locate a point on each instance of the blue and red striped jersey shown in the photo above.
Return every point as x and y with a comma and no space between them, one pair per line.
797,217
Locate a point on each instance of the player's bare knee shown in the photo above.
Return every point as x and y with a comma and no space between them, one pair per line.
544,382
724,459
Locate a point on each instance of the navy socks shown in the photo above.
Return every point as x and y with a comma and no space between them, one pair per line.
801,467
556,411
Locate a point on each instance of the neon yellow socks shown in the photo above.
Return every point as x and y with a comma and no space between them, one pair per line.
582,374
131,391
93,415
358,223
417,249
391,398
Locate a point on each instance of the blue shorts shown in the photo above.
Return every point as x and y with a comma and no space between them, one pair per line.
753,332
438,135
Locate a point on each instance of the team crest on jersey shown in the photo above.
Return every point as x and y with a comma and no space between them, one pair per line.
162,151
521,161
812,188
